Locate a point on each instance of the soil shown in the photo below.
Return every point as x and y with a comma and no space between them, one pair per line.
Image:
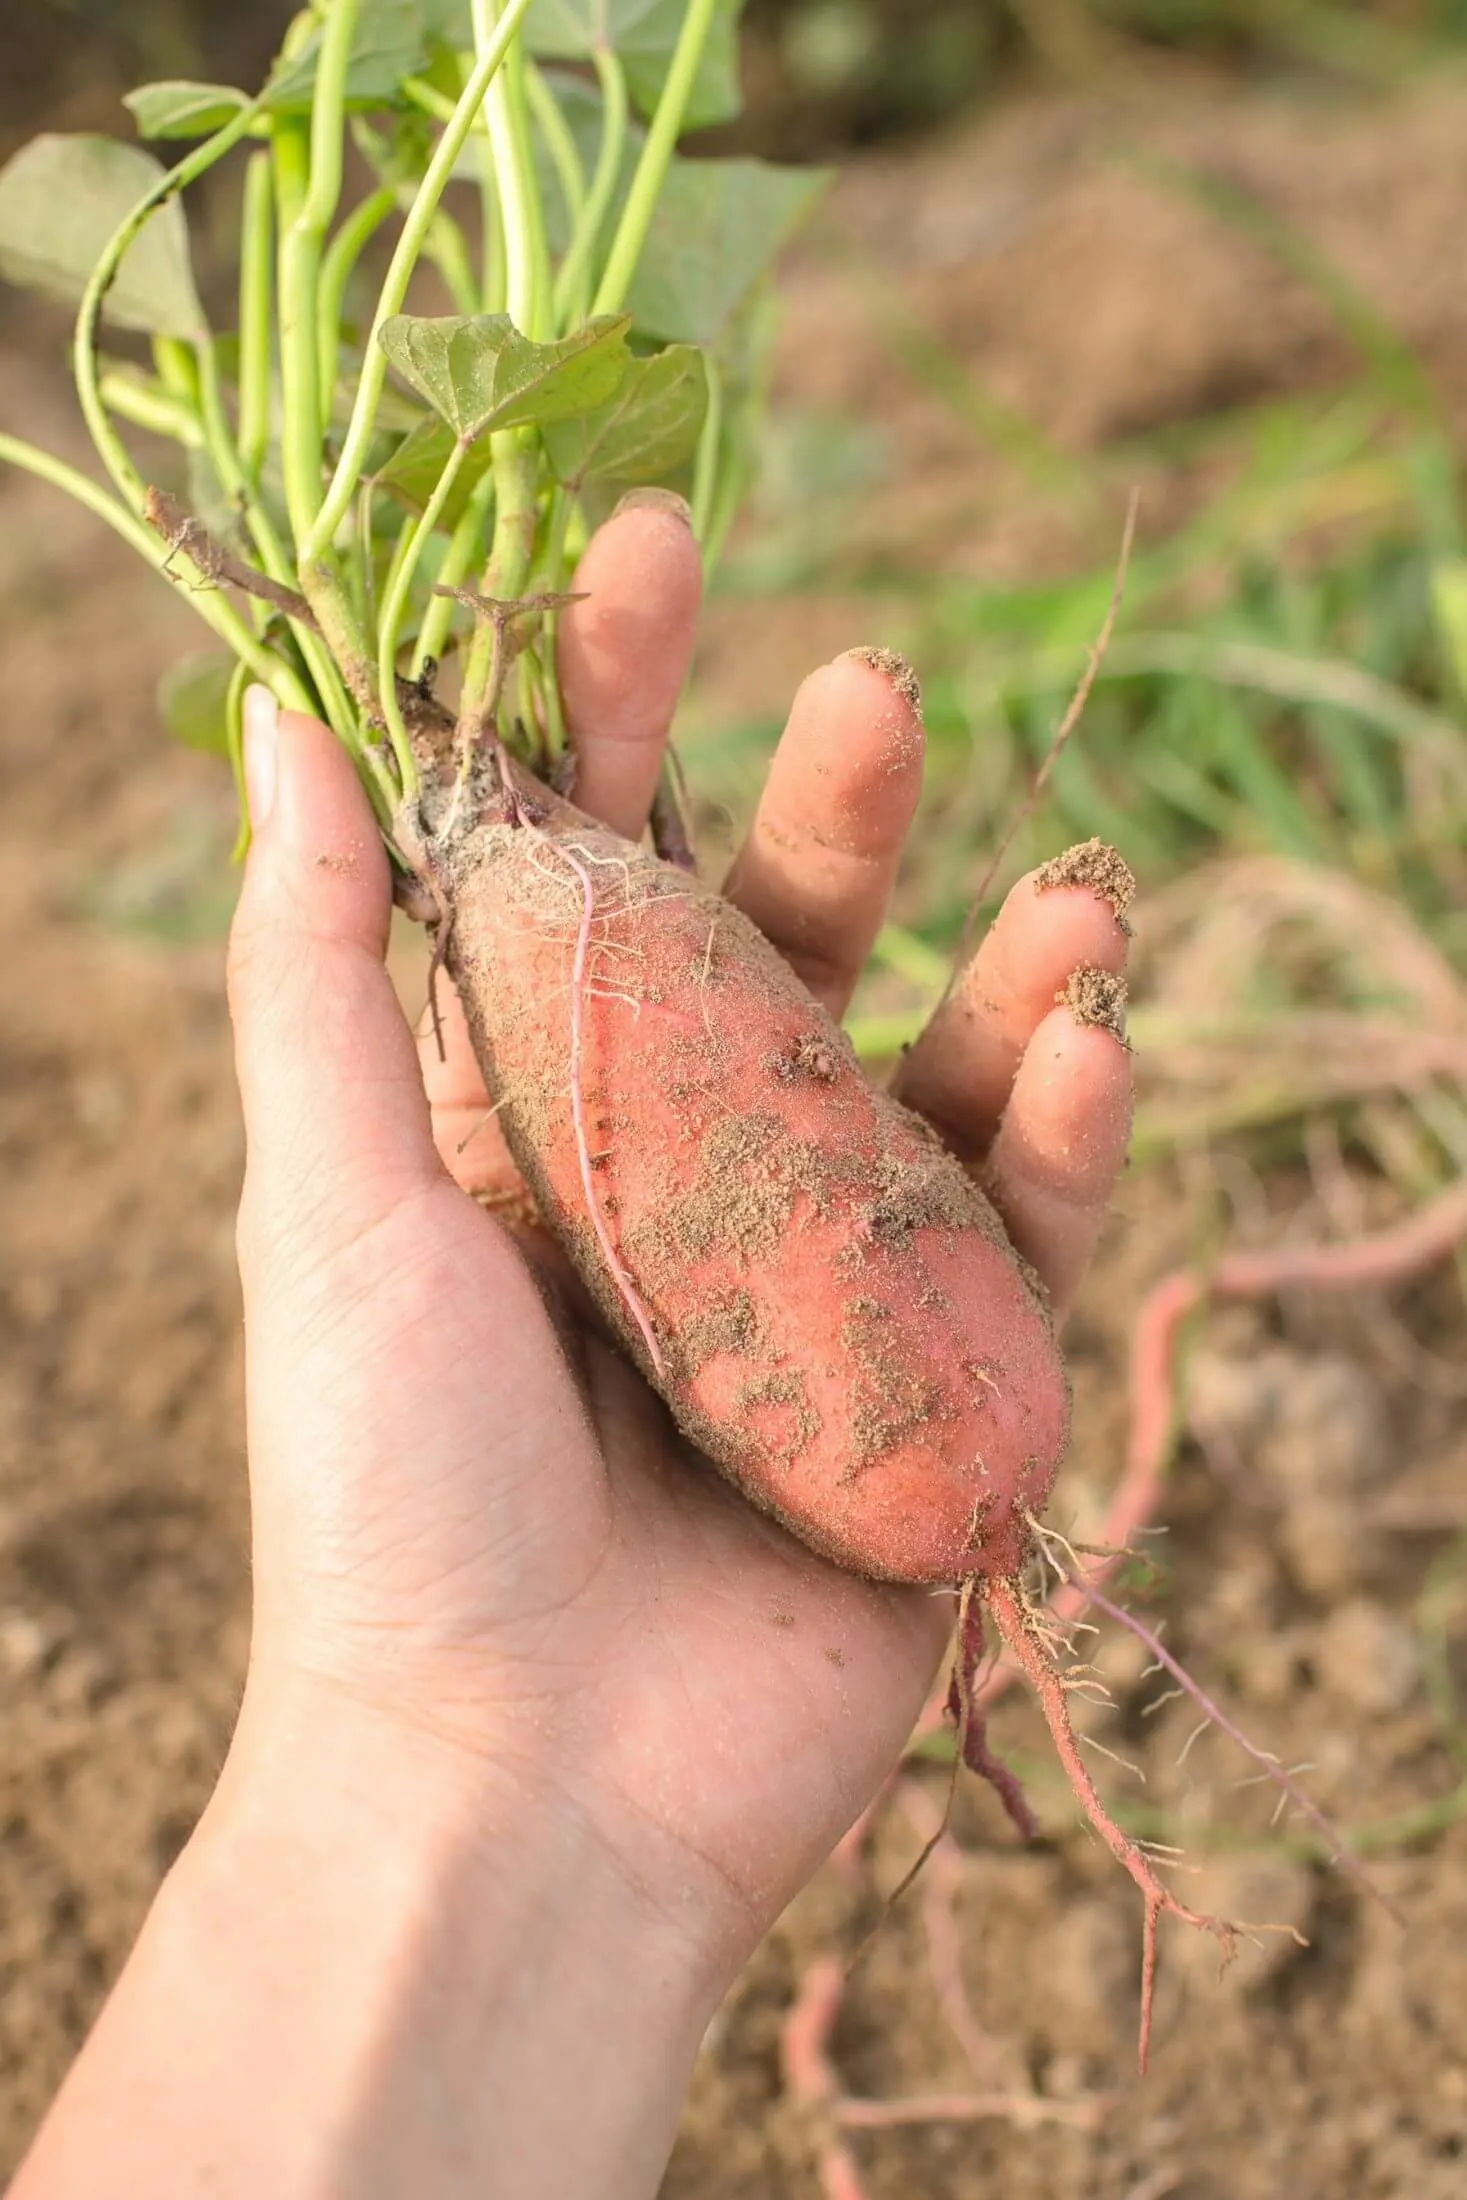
1312,1507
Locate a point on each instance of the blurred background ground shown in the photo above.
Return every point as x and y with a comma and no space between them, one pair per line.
1213,252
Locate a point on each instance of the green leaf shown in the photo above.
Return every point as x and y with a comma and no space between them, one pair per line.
645,432
644,34
717,94
61,201
718,226
392,41
416,466
479,372
396,414
193,699
179,110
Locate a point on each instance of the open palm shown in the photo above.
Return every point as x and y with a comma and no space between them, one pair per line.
470,1512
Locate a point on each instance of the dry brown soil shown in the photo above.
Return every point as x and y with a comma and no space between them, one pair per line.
1303,1531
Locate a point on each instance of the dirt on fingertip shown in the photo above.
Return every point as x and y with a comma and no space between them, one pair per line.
1097,999
1096,864
892,666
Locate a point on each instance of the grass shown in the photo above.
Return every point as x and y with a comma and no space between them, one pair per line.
1261,696
1289,675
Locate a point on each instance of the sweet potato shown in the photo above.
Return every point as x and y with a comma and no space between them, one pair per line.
820,1292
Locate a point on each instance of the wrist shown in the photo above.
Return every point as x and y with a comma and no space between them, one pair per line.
481,1955
370,1973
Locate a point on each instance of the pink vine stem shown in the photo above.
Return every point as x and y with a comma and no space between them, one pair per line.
812,2080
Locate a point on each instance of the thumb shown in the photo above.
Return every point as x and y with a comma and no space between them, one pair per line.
335,1116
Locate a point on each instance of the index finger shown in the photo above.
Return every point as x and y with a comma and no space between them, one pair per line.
625,652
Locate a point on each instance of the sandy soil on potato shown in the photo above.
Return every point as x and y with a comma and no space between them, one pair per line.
1302,1532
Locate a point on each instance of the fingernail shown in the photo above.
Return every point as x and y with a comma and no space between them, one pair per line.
894,667
261,745
656,500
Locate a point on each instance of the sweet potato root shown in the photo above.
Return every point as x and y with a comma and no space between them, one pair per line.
820,1292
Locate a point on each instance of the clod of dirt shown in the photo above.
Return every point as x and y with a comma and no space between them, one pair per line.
1314,1425
25,1643
1270,1665
1093,863
1098,998
1328,1545
1367,1659
894,667
1087,1959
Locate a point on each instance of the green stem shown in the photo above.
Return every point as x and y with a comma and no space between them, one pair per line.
400,550
507,117
447,247
460,558
651,172
554,578
493,273
545,109
516,482
394,289
148,405
394,609
302,251
86,364
256,296
573,283
228,466
730,481
528,278
363,564
554,581
337,269
177,368
301,428
516,485
234,735
710,445
205,598
429,98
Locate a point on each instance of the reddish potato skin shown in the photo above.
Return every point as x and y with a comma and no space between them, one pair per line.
841,1324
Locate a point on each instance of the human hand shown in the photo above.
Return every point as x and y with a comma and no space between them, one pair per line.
543,1724
471,1515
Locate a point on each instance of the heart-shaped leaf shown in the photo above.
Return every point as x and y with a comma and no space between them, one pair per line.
478,372
392,40
718,226
61,201
644,34
645,432
193,700
180,110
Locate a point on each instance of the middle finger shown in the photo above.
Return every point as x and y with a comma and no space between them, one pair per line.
818,867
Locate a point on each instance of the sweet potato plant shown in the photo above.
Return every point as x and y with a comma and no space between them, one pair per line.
377,515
